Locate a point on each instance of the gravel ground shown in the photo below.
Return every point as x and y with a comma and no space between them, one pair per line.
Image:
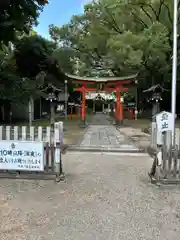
104,197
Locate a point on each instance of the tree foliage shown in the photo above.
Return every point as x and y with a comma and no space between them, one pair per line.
35,62
34,54
18,16
9,81
118,37
27,63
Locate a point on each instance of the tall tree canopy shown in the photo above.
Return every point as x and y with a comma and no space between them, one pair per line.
27,66
18,16
26,59
35,65
117,37
34,54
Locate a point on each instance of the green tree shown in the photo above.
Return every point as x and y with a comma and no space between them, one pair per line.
12,85
27,67
120,37
35,61
18,16
64,57
16,19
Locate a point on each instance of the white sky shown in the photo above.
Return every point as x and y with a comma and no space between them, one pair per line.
84,2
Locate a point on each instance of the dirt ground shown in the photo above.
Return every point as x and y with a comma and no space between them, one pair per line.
104,197
73,132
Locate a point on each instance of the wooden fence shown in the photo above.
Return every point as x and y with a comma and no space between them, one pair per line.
166,165
52,140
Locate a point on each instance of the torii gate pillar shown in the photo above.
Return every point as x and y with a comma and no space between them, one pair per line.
119,106
83,90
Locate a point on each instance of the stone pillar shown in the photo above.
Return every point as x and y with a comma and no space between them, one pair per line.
109,108
155,110
94,106
31,110
52,112
103,107
40,107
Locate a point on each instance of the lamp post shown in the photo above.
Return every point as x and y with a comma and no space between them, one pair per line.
51,97
136,82
174,68
156,97
66,98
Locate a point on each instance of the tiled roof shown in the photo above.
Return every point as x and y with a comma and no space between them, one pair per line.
102,79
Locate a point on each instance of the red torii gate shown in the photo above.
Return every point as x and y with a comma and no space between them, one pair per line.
111,84
84,90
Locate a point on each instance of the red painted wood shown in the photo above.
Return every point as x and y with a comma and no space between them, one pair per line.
130,114
85,89
83,82
71,113
83,104
76,109
91,89
121,82
121,115
119,106
79,89
115,89
118,95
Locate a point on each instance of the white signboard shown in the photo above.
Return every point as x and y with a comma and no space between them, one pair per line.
21,155
164,121
104,95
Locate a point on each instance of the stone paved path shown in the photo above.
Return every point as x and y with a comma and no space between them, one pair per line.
103,136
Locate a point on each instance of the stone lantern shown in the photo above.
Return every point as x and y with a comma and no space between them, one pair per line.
155,97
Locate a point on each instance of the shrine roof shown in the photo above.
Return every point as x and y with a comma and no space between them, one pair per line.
101,79
155,87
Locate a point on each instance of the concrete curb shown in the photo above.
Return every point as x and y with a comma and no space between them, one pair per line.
110,153
81,149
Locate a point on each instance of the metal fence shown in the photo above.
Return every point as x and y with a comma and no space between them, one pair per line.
166,165
52,138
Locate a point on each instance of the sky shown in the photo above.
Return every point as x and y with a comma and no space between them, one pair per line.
58,12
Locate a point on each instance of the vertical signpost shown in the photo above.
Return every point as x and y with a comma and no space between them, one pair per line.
164,121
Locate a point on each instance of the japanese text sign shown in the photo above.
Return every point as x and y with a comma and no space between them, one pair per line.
21,155
164,121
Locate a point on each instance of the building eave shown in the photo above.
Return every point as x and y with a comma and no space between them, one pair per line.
101,79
